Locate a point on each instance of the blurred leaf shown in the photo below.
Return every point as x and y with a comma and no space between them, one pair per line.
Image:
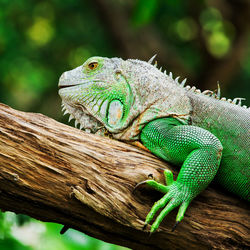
7,241
144,12
44,236
41,32
218,44
186,28
217,32
21,219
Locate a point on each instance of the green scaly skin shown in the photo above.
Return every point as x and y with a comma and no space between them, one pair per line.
206,135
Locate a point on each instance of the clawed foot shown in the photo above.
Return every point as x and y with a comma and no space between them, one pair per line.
176,194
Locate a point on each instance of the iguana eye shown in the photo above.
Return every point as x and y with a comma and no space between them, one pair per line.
92,65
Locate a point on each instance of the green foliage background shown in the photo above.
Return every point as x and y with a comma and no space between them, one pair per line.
41,39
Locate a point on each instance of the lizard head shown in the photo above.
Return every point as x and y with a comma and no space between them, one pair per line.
109,94
97,94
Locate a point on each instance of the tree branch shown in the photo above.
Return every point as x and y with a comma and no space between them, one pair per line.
57,173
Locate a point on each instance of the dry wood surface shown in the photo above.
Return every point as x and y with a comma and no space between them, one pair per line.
53,172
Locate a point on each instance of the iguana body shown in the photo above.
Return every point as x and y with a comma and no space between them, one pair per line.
134,101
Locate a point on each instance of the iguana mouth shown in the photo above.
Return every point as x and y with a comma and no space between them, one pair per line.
66,86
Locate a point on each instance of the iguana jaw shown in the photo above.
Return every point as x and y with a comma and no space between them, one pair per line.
68,86
87,122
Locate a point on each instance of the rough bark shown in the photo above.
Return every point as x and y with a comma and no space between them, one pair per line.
57,173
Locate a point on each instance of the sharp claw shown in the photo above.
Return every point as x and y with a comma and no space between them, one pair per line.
175,225
145,225
162,169
139,184
152,230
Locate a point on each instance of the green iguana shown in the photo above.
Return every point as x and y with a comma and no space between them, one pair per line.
208,136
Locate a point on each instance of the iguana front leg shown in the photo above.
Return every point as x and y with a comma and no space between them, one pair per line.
196,149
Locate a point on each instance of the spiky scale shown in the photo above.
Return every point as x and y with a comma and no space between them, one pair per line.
71,117
218,91
76,123
177,79
207,92
238,100
183,82
66,112
150,61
